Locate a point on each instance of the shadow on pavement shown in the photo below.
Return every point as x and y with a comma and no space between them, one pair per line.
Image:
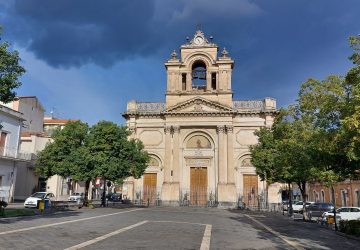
306,234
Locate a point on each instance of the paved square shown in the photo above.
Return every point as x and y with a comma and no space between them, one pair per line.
166,228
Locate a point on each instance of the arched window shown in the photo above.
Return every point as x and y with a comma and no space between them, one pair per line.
246,163
322,196
315,196
198,142
153,162
199,75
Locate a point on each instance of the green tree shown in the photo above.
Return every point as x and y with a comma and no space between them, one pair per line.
284,151
67,155
10,71
86,153
354,42
113,155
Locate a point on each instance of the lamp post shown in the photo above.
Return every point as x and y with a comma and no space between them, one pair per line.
103,197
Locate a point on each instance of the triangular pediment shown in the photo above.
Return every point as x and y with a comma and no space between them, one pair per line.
199,105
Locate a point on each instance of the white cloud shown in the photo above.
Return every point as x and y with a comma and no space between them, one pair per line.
71,92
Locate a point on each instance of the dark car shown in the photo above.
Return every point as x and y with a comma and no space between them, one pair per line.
115,197
316,209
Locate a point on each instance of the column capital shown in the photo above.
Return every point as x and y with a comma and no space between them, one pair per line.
132,130
176,129
220,129
167,129
229,129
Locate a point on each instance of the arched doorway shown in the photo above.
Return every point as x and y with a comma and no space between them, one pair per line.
248,184
150,183
198,152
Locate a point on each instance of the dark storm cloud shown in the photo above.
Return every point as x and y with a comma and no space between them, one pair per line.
72,33
276,44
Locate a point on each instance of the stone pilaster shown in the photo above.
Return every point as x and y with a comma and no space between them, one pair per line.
176,153
132,131
221,157
188,81
230,155
167,161
170,189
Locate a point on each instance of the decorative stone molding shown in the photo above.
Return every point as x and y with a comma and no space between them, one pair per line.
176,129
132,130
229,129
150,106
197,101
167,129
220,129
248,105
196,162
151,137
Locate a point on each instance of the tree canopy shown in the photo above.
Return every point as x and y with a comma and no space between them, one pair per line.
10,71
317,138
85,153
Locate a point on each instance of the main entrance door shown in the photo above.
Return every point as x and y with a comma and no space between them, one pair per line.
251,190
149,188
198,186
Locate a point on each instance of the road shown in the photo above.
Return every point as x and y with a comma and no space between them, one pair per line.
166,228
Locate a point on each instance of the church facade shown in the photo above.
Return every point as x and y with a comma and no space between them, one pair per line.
199,138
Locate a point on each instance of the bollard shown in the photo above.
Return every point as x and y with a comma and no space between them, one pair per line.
41,205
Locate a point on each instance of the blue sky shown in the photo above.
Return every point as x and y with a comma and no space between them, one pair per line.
85,59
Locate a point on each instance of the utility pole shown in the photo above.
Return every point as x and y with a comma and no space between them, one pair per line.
103,198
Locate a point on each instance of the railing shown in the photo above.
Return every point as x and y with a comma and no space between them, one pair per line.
11,152
248,105
198,196
148,195
150,106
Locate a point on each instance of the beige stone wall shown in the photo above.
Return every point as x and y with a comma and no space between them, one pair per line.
227,133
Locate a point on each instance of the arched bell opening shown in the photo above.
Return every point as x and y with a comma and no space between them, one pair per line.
199,75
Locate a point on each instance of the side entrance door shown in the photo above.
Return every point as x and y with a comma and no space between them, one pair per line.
149,188
250,190
198,186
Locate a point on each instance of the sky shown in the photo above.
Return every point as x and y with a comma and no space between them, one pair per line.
86,59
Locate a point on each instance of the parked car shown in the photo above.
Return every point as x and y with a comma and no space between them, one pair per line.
115,197
298,207
34,199
344,213
285,204
317,209
76,197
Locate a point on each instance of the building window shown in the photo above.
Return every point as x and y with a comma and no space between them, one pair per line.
213,81
199,75
322,196
358,197
183,81
343,198
2,142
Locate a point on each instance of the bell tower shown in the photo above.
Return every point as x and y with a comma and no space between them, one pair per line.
199,71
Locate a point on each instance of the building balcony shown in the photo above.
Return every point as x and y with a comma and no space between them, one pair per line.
14,153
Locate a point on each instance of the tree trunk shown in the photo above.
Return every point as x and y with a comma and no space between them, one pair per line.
334,203
302,186
290,209
103,198
87,186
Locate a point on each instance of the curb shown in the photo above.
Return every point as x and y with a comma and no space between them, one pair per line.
347,236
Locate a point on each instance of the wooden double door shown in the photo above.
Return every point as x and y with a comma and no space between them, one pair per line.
198,186
250,190
149,188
